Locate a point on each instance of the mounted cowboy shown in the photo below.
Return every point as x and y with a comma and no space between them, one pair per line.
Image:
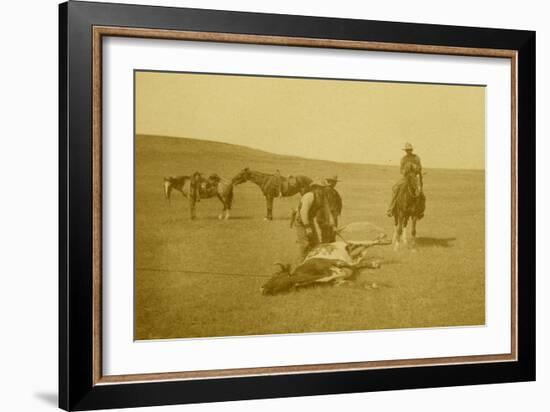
410,163
313,216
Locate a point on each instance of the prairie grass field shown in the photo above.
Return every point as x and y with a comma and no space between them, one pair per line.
202,278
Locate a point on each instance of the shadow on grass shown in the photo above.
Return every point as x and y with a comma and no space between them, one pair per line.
435,242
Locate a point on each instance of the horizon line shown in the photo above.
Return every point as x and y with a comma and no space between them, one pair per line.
300,157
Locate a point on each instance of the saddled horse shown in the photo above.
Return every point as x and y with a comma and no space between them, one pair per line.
272,185
410,204
197,187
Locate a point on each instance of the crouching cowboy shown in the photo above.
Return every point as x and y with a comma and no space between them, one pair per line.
312,218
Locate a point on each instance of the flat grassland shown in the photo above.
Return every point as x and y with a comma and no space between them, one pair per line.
202,278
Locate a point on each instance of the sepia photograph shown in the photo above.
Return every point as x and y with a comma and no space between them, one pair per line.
285,205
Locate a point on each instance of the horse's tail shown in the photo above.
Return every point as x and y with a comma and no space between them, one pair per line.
167,187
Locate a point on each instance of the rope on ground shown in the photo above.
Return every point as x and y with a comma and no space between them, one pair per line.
198,272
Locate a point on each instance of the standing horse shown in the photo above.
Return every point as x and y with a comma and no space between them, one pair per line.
197,187
410,204
272,185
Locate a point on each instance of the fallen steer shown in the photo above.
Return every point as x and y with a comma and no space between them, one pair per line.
327,263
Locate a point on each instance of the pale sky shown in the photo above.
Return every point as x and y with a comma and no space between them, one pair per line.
344,121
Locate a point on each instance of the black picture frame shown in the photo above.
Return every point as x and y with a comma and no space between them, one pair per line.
77,390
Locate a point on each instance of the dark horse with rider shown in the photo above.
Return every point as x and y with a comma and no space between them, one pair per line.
408,199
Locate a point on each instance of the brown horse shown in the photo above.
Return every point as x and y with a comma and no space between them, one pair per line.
197,187
273,185
410,204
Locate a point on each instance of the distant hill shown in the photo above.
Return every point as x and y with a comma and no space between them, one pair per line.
162,143
195,149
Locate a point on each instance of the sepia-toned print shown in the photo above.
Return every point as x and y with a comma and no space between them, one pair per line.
276,205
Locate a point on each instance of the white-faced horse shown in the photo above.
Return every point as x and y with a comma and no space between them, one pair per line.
197,187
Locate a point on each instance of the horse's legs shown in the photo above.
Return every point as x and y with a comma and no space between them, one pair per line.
221,215
269,203
405,223
192,208
226,208
413,231
398,231
394,238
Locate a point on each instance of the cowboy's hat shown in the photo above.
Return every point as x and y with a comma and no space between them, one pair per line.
318,182
333,178
408,146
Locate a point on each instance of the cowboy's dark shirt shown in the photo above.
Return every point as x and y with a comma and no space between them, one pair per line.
410,160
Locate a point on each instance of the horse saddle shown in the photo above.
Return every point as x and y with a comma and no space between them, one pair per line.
287,184
292,181
207,189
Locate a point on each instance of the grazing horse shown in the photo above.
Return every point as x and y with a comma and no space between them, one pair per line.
410,204
197,187
272,185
